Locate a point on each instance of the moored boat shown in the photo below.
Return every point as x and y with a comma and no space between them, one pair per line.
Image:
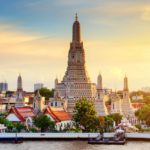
107,141
15,140
118,139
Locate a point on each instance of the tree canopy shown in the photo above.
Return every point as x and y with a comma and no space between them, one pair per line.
19,126
117,117
143,114
7,123
47,93
85,115
145,95
44,123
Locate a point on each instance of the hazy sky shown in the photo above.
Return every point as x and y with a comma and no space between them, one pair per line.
35,37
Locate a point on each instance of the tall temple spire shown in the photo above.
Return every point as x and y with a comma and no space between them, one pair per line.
127,109
76,30
19,93
56,82
100,100
76,56
19,82
126,84
76,17
99,82
38,102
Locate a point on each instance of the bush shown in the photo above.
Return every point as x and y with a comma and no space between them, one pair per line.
138,126
33,130
19,127
85,116
146,130
44,123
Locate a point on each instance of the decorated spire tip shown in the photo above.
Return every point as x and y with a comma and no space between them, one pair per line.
76,17
125,76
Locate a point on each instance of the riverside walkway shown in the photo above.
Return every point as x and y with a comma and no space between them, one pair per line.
71,136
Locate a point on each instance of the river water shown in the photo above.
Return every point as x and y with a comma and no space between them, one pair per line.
73,145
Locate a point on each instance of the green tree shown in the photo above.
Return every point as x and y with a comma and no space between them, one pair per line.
2,120
147,100
7,123
143,114
85,115
108,123
117,117
44,123
33,130
47,93
101,120
19,126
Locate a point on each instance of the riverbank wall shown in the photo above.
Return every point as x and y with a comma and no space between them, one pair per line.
72,136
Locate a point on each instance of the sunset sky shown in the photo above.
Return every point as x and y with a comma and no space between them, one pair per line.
35,37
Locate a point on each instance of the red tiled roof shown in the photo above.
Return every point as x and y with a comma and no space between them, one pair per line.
58,116
137,105
22,112
3,100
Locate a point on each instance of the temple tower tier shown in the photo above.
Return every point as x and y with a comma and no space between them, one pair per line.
19,93
100,101
127,109
76,83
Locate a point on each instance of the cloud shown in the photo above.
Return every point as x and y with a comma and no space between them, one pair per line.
118,51
117,73
34,55
41,58
146,13
113,10
7,36
24,43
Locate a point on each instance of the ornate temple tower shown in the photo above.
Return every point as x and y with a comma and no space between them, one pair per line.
19,93
99,82
116,103
38,103
76,83
76,70
126,104
99,102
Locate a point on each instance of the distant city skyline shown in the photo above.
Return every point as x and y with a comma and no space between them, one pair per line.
35,37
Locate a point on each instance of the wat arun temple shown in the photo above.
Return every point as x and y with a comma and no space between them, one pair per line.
76,83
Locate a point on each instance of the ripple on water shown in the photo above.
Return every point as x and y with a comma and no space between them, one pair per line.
73,145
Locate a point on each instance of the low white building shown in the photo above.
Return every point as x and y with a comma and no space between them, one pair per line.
137,97
23,115
2,128
59,116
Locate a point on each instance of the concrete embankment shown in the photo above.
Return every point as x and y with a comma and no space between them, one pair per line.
73,136
51,136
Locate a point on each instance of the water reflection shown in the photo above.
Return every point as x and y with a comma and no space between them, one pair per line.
73,145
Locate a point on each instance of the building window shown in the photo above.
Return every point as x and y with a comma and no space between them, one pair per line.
55,103
34,105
